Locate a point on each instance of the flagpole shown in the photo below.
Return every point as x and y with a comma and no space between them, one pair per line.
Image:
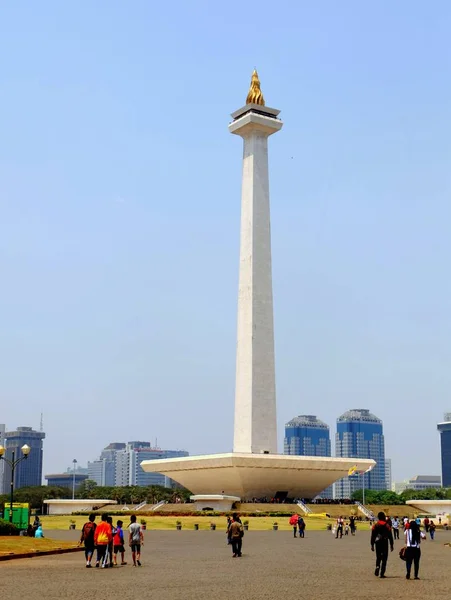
363,489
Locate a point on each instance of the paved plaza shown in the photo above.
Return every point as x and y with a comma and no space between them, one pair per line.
191,565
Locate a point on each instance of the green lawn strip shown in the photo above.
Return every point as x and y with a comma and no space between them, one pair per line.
26,545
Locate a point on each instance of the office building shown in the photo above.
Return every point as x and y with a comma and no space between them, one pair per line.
306,435
360,435
66,479
445,449
120,465
418,483
29,471
388,475
103,470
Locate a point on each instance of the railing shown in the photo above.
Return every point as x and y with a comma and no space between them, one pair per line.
366,511
157,506
140,506
304,507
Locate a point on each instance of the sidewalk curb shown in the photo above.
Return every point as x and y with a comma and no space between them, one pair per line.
39,553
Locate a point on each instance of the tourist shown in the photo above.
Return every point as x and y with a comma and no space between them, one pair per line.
87,538
102,538
431,529
352,525
294,523
381,536
426,524
347,529
110,545
236,535
229,522
118,541
340,523
413,536
395,527
135,540
39,533
301,525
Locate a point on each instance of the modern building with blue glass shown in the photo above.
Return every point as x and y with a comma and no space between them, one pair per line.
360,435
445,449
306,435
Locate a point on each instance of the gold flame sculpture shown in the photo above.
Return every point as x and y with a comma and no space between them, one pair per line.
255,95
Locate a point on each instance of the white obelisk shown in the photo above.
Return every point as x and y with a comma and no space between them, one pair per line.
255,394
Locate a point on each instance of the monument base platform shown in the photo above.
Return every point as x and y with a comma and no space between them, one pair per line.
249,476
217,502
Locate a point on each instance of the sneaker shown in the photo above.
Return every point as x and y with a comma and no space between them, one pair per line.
123,563
407,576
97,565
417,577
376,571
88,566
139,564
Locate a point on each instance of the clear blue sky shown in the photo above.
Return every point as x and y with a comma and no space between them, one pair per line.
119,217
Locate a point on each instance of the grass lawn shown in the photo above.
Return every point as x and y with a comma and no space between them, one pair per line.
20,545
62,522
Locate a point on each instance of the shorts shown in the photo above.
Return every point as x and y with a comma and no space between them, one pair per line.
119,549
136,547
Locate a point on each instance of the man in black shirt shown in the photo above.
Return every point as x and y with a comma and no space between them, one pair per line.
381,536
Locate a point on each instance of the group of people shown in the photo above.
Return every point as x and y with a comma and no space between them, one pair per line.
108,541
382,539
35,530
346,527
297,522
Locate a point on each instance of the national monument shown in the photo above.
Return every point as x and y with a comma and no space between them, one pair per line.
254,469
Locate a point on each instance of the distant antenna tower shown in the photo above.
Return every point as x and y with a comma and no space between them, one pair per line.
41,425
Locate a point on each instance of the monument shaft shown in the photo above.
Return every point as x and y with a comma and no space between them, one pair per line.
255,395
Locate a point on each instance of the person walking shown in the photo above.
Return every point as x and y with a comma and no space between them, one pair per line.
118,542
87,538
413,536
301,525
352,525
395,527
426,524
381,537
294,519
135,540
431,527
236,535
340,523
102,537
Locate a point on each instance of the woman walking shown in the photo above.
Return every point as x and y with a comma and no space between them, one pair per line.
431,529
413,537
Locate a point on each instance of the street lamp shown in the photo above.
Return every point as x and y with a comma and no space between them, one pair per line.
73,480
13,464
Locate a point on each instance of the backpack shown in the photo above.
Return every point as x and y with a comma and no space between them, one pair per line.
88,531
293,520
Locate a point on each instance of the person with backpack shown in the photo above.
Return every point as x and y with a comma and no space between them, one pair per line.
294,519
87,538
301,525
118,541
413,536
381,536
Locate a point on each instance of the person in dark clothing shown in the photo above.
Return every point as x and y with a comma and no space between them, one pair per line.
413,537
352,525
236,535
301,525
381,537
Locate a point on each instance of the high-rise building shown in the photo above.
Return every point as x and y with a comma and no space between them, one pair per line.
360,435
388,475
29,471
445,447
103,471
120,465
306,435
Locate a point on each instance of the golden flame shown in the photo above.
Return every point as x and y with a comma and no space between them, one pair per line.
255,95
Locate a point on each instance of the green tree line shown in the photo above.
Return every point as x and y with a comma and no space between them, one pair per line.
388,497
129,495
